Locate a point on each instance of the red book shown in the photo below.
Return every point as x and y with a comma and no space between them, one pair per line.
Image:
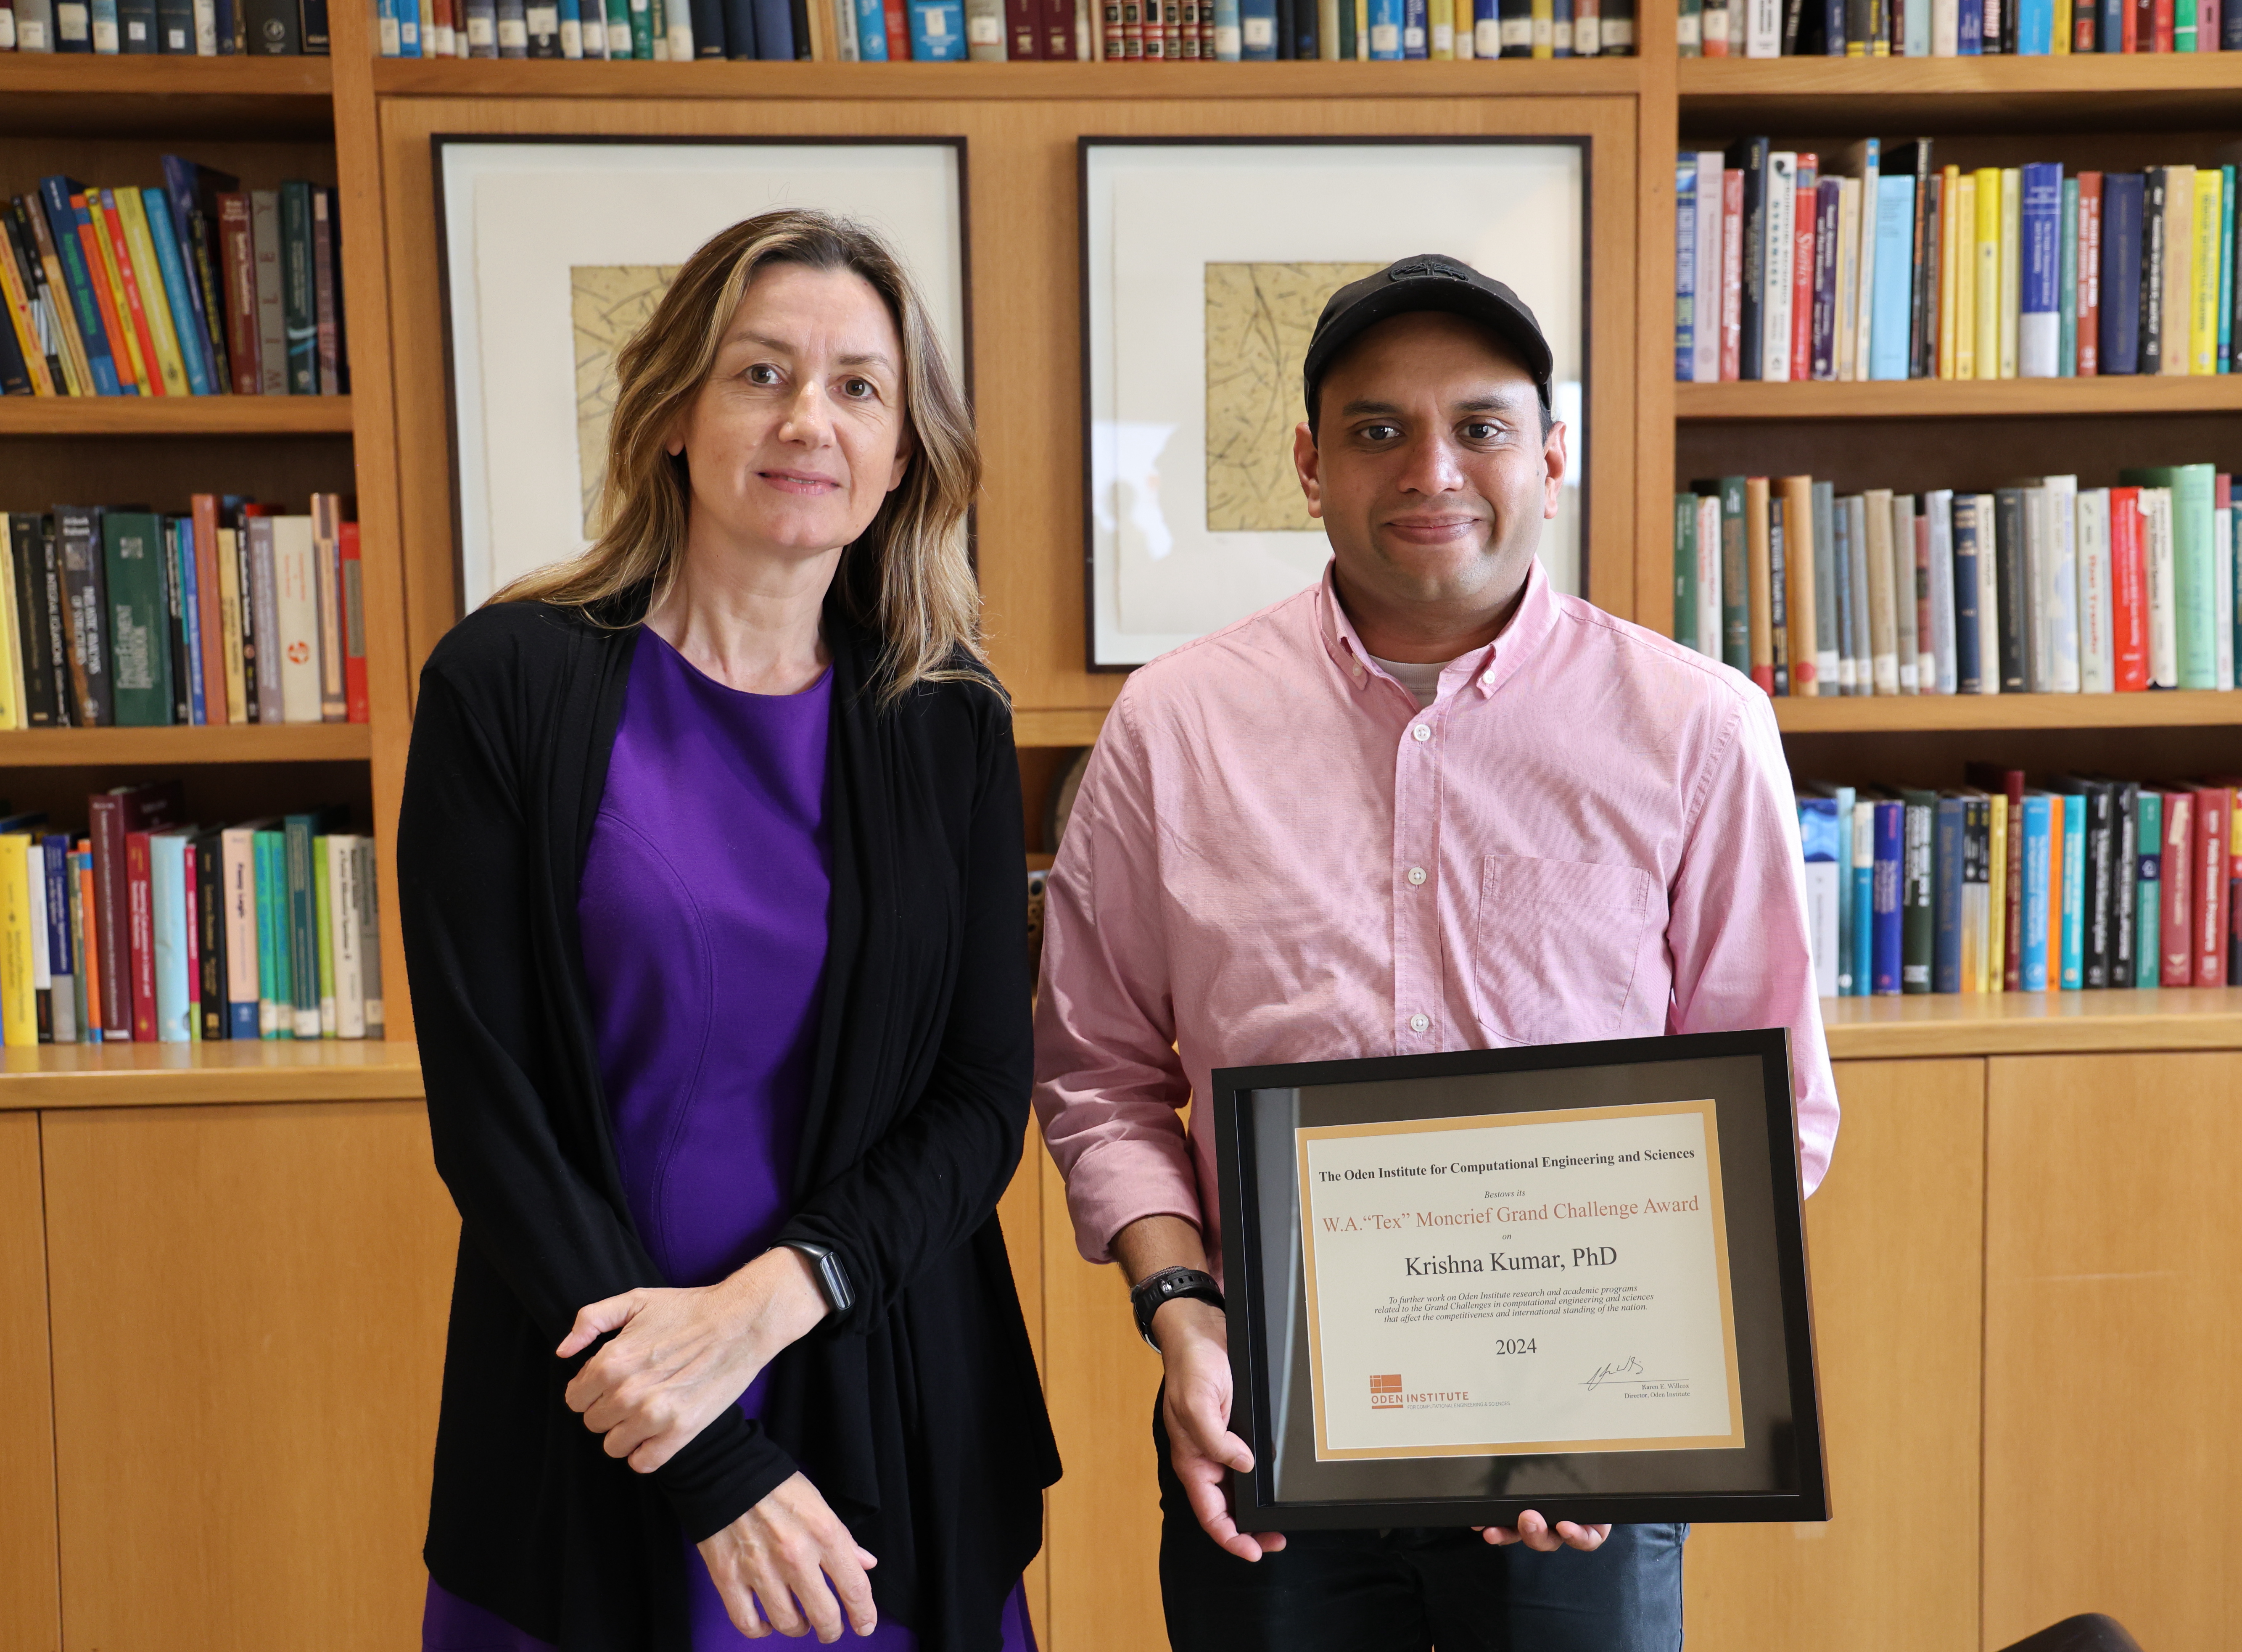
194,947
90,960
1022,30
140,937
2162,10
127,279
1802,273
898,19
2129,26
2176,925
236,267
210,609
2090,274
1059,30
2128,591
112,816
1732,273
353,626
2212,852
102,298
1113,46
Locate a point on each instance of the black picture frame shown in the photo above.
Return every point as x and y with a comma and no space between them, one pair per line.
1084,144
1782,1474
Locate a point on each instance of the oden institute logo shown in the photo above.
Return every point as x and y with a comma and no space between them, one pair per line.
1385,1393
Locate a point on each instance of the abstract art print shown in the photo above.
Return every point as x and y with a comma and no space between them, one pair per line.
557,252
1204,267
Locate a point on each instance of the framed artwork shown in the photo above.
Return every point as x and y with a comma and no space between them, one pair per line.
556,250
1204,265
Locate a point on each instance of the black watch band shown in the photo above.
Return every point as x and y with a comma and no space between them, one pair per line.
832,1277
1165,1286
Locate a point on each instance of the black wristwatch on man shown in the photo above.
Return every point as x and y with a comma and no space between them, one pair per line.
1166,1285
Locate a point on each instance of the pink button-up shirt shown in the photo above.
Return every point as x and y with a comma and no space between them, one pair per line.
1277,856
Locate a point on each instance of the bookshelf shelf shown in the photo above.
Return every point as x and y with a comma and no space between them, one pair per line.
1508,77
175,416
2125,395
1727,96
1919,713
225,743
44,92
49,1076
2033,1022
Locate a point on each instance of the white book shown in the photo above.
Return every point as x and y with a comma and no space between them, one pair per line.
1848,276
2097,660
342,922
1884,592
1708,576
238,855
1762,27
1945,27
1989,600
680,34
2164,612
1907,596
1865,284
2058,595
1705,364
2039,637
297,613
205,28
844,30
2222,555
1939,507
35,911
1858,643
1778,245
1821,924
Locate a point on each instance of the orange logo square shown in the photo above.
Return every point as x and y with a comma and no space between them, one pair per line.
1386,1392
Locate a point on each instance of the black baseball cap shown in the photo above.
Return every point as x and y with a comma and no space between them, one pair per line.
1426,281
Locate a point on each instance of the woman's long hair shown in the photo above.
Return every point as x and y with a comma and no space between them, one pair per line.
907,577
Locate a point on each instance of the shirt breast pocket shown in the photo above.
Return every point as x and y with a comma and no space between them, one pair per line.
1555,947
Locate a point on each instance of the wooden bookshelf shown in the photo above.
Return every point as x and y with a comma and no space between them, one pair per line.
285,743
175,415
2033,1022
58,94
233,1072
1924,713
1731,95
2119,395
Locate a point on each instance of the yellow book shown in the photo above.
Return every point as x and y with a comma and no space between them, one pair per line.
11,644
2012,264
1441,23
1362,30
2179,267
1950,195
1545,27
1997,941
1965,276
144,371
133,212
2202,327
229,610
19,1007
17,303
1988,299
2060,46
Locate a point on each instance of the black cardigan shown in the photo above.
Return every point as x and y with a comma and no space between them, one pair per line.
918,1414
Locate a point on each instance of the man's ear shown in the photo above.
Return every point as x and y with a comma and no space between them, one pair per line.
1554,462
1307,460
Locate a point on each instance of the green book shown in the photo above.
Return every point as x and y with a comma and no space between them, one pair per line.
299,310
2226,269
2183,25
1346,39
2066,345
2148,886
140,618
1685,569
2195,608
1918,932
321,915
275,1018
300,935
1735,578
642,29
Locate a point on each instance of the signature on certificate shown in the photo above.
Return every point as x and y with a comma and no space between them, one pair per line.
1617,1371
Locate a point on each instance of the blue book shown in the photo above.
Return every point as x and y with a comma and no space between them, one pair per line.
167,911
2039,321
2035,28
52,866
2121,272
775,40
937,30
385,28
225,10
1561,15
2067,349
183,552
62,225
1968,547
1894,295
193,349
1818,838
2230,30
2226,264
2072,942
193,190
2032,951
1226,32
1862,899
2148,888
1487,28
1685,269
729,25
1969,32
1946,858
871,31
1833,29
1416,26
408,27
1838,799
1385,29
2111,36
1915,22
1891,854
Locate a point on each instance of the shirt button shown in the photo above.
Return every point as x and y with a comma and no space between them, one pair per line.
1420,734
1418,1023
1416,875
1487,677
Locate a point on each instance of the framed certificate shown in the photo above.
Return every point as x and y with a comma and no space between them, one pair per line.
1570,1277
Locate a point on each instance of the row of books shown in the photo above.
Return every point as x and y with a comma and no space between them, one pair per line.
170,28
2004,886
1888,267
200,288
145,928
649,30
1952,28
232,613
2041,587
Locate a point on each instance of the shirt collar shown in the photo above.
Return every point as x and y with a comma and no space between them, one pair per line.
1492,666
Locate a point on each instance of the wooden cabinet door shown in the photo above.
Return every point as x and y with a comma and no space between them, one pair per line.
249,1307
30,1605
2113,1344
1894,1248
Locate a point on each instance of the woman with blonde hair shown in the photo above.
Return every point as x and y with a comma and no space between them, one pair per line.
710,857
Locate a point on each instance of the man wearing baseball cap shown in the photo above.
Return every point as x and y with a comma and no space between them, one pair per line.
1427,805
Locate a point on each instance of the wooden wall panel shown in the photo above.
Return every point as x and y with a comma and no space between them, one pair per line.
1024,224
1894,1248
30,1604
1021,1212
249,1308
2113,1344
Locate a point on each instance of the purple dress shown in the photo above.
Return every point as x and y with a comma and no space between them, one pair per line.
704,896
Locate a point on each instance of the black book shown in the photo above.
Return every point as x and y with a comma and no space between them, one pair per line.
2152,271
1307,45
136,26
210,929
798,13
2100,864
85,599
175,27
275,27
1618,28
542,20
724,29
1284,28
2124,906
1515,19
2011,584
1778,582
52,603
1794,17
312,18
174,614
231,514
1749,156
31,632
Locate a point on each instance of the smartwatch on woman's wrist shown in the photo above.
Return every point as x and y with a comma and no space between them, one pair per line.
1155,1289
832,1277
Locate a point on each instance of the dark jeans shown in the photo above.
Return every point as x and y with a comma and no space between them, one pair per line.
1415,1589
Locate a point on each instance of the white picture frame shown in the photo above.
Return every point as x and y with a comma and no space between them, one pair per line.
1158,216
520,220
